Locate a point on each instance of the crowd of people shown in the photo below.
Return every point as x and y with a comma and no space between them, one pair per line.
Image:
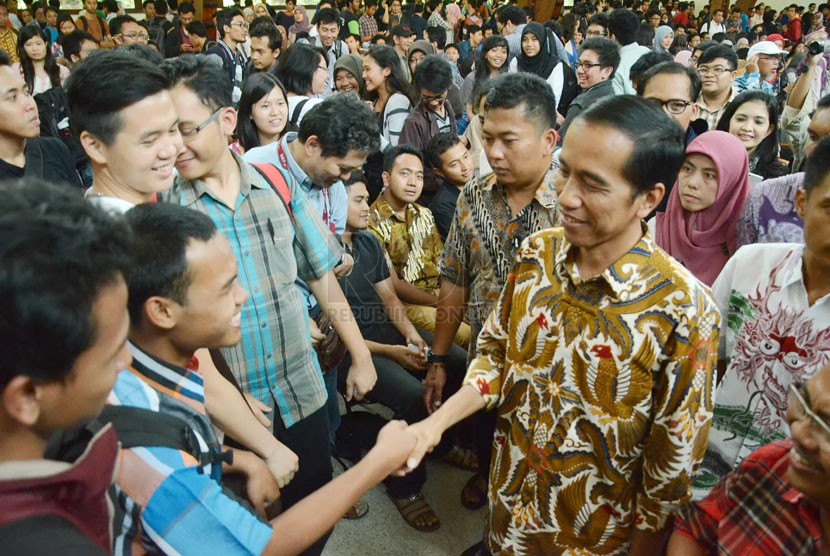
586,260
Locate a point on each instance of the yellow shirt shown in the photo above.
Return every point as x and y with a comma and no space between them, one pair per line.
8,44
604,392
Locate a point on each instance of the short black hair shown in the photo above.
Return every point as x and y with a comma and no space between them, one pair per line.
600,19
257,86
71,43
296,69
659,145
57,253
161,7
531,92
341,123
438,35
473,29
433,74
224,18
327,16
623,24
264,26
159,267
719,51
106,83
197,28
202,75
391,154
143,51
608,52
438,145
4,59
646,62
817,167
513,14
185,8
110,5
671,68
118,22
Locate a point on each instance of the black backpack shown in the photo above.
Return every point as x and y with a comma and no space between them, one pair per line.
158,33
53,111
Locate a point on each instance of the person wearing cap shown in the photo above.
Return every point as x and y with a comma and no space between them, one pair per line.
777,39
762,63
402,38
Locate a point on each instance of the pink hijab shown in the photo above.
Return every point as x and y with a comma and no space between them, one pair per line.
703,241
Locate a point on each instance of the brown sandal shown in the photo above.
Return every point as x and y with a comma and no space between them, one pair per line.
461,458
413,509
358,510
474,493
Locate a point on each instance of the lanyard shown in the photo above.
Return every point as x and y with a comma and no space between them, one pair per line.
326,220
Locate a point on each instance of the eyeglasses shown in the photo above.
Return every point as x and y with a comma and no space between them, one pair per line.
596,34
717,70
672,106
139,37
434,100
798,410
191,134
242,25
586,66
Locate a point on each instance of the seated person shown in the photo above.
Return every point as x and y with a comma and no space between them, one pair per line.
398,349
61,275
698,227
776,299
409,237
775,501
451,161
432,115
183,295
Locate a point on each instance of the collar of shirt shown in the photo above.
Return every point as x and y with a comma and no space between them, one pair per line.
617,275
385,210
792,273
293,168
545,193
177,382
701,102
192,190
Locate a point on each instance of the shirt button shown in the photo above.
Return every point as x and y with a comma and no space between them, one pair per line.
247,253
268,356
264,325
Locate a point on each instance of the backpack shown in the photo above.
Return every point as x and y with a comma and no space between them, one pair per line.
157,33
570,89
53,111
85,24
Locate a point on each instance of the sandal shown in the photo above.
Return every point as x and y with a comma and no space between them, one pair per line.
474,493
417,513
462,458
357,511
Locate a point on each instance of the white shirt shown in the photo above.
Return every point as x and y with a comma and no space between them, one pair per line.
770,338
713,28
629,54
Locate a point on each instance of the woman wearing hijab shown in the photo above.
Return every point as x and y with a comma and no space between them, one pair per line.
348,75
698,227
538,56
301,24
663,37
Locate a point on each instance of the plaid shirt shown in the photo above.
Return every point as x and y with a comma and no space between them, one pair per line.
368,26
712,116
274,362
754,511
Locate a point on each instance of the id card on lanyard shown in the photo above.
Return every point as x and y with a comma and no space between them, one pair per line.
326,203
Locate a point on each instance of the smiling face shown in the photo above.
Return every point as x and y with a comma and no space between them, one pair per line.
496,57
328,33
345,82
697,183
589,72
530,45
143,154
203,150
357,217
270,113
404,182
751,124
456,165
373,75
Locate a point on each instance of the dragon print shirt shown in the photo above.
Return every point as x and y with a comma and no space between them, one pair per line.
772,338
604,393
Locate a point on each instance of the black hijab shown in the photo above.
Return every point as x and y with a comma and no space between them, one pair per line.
543,63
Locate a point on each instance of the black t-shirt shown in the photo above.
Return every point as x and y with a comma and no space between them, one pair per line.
45,536
370,267
48,159
443,207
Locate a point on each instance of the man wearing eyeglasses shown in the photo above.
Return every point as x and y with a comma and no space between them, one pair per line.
126,31
598,61
763,61
776,299
233,30
597,26
717,67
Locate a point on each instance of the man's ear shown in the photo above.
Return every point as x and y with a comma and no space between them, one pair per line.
385,177
800,202
161,312
93,147
227,121
21,401
650,200
312,145
438,172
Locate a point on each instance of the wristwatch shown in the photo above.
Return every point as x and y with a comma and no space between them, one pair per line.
435,358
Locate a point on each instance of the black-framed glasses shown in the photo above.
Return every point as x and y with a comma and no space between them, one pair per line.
586,66
590,33
191,134
798,410
717,70
139,37
672,106
240,24
428,99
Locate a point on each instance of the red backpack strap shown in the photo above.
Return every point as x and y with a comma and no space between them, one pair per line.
277,181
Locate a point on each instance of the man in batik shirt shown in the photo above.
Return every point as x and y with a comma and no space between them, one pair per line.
599,357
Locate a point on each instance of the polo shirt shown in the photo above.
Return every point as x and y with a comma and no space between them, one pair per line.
275,361
165,502
369,269
629,54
